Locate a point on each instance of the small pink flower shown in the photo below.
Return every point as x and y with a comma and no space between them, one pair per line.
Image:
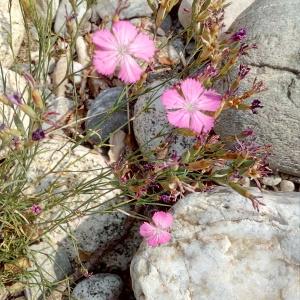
119,49
36,209
188,103
157,233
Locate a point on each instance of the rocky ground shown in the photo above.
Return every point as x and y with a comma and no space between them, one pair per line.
221,247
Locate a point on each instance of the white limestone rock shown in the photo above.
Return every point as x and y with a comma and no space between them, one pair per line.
12,31
223,249
14,83
65,11
134,8
61,168
47,265
287,186
47,8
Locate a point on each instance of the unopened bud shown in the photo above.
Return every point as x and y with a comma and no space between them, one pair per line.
37,99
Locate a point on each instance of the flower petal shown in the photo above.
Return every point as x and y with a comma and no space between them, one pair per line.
172,100
124,32
192,90
105,62
105,40
179,118
142,47
130,71
162,237
201,122
153,241
162,219
147,230
210,101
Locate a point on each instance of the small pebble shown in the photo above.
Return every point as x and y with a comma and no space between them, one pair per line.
98,287
271,180
287,186
245,181
173,54
77,72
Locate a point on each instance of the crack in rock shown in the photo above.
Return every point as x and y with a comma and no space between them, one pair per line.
277,68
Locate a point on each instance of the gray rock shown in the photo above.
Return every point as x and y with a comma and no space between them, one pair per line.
271,180
99,287
134,8
11,29
101,119
65,11
218,234
48,265
287,186
151,121
168,50
166,24
120,256
272,25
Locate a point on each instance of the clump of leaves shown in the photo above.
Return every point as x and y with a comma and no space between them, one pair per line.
163,179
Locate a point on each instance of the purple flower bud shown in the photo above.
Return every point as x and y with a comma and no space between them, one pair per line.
15,98
165,198
239,35
36,209
254,105
28,77
210,71
174,155
245,48
248,132
2,126
38,134
148,167
243,71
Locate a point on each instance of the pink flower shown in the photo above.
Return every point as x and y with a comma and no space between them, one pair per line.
187,105
157,233
36,209
119,49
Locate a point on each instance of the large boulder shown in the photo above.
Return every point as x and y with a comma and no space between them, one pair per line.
273,26
223,249
12,31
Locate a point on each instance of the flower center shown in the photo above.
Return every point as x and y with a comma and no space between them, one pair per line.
122,50
190,107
